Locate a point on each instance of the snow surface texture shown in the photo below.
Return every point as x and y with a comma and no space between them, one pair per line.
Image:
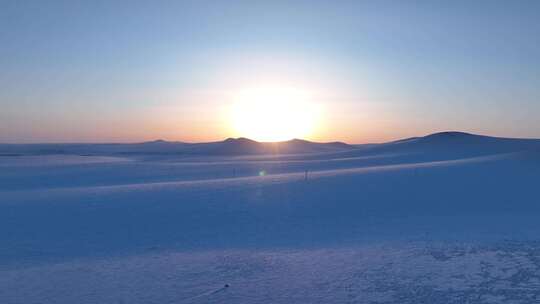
446,218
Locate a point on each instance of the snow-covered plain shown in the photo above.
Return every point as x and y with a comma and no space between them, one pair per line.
446,218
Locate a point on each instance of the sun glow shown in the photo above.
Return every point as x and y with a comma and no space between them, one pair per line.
273,114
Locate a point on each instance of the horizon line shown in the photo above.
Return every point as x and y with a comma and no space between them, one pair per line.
242,137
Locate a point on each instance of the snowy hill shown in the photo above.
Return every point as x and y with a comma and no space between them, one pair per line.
446,145
460,141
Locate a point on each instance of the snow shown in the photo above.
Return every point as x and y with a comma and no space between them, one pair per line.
450,217
383,273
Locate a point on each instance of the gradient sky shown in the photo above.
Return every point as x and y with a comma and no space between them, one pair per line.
113,71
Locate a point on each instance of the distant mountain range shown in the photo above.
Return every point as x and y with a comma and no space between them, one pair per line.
443,142
230,146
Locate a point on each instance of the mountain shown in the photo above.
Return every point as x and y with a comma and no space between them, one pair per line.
245,146
451,143
230,146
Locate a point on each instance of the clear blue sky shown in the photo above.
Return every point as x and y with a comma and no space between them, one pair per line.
102,71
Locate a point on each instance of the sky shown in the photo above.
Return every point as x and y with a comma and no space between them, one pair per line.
130,71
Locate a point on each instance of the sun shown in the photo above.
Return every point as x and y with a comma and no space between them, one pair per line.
275,114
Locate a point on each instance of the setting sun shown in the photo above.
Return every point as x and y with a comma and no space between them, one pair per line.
273,114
